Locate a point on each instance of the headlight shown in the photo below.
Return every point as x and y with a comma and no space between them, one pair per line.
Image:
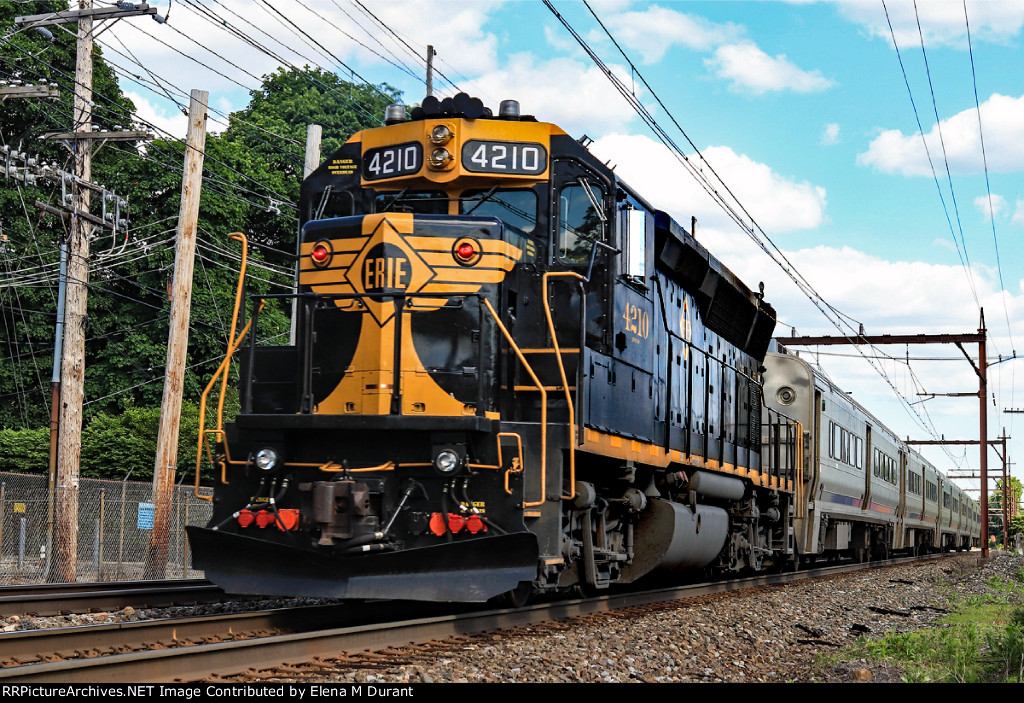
440,158
786,395
447,461
266,459
440,134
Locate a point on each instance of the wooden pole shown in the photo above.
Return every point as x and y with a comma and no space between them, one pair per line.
72,375
58,345
314,134
430,69
177,342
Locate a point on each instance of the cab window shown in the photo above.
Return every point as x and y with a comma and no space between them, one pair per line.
580,223
516,208
424,202
331,203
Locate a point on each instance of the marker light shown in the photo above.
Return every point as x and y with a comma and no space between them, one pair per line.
466,251
321,254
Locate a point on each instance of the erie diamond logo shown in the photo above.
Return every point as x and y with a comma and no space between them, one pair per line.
387,265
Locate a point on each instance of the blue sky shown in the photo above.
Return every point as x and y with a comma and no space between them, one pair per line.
802,107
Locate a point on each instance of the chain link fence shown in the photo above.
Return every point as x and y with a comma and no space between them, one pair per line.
115,520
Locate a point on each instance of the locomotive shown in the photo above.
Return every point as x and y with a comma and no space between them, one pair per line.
511,375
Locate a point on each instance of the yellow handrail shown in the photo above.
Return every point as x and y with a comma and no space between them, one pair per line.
543,404
222,370
565,381
517,462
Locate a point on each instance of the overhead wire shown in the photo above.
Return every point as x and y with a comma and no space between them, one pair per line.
961,248
734,208
988,185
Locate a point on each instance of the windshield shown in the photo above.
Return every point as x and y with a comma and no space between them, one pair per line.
516,208
424,202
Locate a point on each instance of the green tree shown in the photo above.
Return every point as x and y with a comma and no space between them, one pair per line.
257,159
995,506
272,132
28,238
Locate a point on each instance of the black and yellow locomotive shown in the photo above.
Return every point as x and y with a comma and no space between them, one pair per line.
510,374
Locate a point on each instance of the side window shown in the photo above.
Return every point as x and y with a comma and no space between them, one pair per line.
332,203
633,224
580,222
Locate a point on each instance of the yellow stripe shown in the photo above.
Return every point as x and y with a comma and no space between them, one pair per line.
468,275
645,452
441,287
445,244
444,259
350,244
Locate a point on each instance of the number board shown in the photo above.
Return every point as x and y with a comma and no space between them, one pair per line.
519,158
391,161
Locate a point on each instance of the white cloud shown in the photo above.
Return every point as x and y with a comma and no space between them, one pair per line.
831,134
752,70
428,21
1002,119
656,29
541,88
179,47
779,204
982,204
1018,213
942,21
173,124
890,297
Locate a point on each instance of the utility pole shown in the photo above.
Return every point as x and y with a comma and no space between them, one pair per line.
63,565
430,69
314,135
72,375
177,341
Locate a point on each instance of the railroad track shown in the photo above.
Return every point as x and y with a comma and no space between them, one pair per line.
211,647
61,598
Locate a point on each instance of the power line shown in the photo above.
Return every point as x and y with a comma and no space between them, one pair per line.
961,252
731,206
988,186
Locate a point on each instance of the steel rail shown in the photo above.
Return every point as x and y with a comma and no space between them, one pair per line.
215,660
60,598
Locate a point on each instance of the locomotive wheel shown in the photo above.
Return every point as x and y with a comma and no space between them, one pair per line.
517,597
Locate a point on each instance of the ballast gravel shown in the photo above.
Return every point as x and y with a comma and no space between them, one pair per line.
770,634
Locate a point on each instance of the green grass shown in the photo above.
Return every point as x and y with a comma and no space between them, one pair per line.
980,640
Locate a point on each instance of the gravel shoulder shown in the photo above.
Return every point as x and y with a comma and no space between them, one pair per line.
770,635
